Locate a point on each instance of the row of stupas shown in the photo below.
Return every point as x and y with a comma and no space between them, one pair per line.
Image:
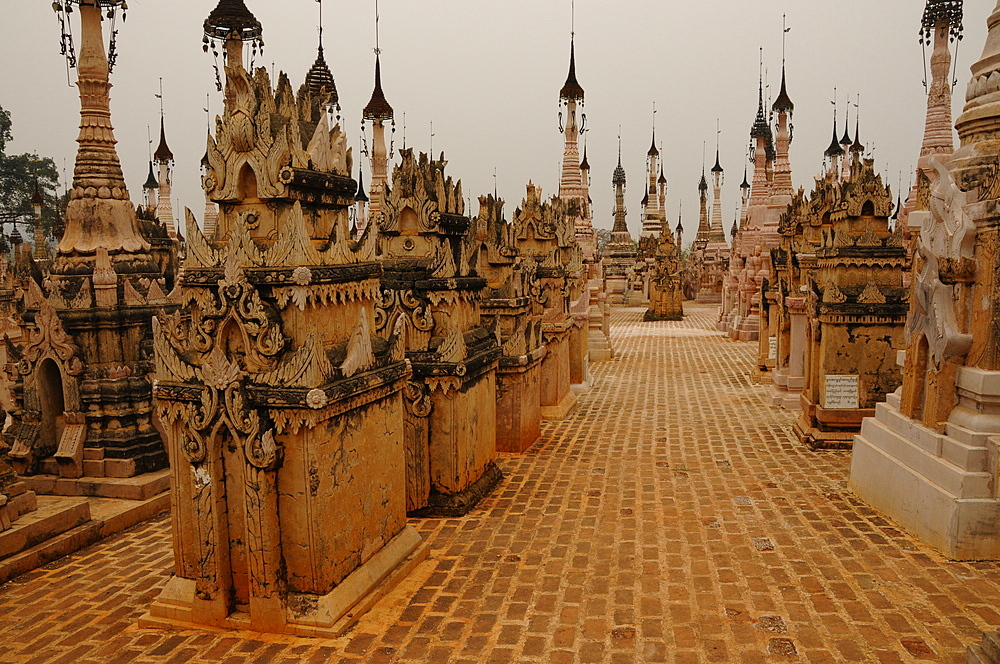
883,336
928,457
315,360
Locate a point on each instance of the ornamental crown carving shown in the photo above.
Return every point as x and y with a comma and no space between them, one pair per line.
421,185
865,186
270,132
544,223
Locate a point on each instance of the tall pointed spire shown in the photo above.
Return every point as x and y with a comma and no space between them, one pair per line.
377,111
783,103
571,89
574,178
846,140
834,150
319,79
99,214
781,182
377,108
163,153
164,159
618,179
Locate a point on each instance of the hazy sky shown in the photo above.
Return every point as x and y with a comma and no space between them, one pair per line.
487,74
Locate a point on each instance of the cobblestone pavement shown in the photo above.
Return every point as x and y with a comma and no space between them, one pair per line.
669,518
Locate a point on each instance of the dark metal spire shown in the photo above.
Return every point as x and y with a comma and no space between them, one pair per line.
571,89
846,140
361,195
783,104
151,182
320,78
834,150
231,18
619,175
948,12
378,108
163,153
760,127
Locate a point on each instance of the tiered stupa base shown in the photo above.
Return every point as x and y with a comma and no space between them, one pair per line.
939,486
323,616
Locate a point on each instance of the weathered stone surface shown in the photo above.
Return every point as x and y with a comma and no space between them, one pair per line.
279,393
616,536
666,298
431,288
936,438
856,309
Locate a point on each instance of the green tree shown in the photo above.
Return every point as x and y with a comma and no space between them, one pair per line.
18,174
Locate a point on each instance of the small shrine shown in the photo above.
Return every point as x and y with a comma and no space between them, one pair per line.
512,308
857,310
430,289
279,395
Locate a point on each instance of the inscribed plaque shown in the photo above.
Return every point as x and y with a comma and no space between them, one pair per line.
841,392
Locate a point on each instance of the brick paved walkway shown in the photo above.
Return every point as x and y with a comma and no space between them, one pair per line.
670,518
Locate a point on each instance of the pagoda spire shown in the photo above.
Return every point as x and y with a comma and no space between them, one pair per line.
834,152
319,79
361,203
99,214
781,185
164,159
940,25
717,234
704,228
760,135
378,111
652,224
618,180
571,101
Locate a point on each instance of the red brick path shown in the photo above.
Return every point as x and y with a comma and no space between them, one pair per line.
670,518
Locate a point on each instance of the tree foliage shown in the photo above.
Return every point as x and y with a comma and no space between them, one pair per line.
18,174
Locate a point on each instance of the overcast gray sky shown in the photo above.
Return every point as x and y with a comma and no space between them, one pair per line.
487,74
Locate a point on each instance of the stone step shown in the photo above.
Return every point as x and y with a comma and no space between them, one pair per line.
108,516
888,431
140,487
991,647
53,516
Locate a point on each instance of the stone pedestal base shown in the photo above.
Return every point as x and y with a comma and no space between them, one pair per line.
324,616
599,345
828,429
615,287
19,500
706,297
786,390
561,409
579,356
939,486
451,505
986,653
556,396
725,323
748,328
518,395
